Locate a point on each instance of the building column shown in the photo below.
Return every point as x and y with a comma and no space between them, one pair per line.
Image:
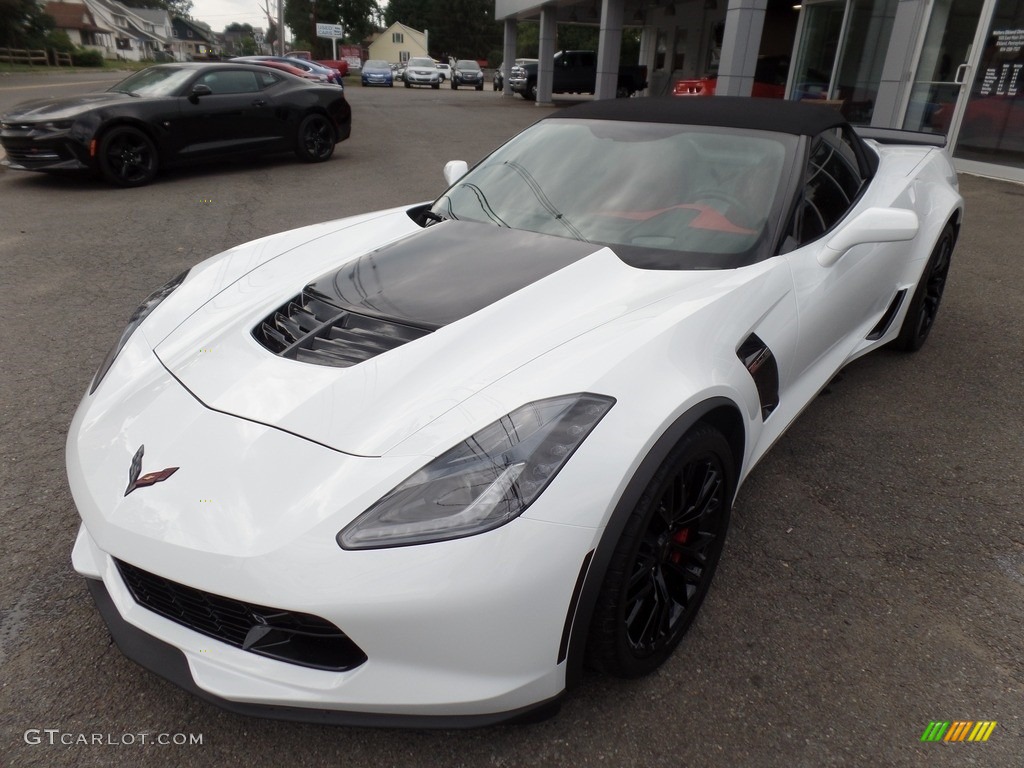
744,21
546,54
609,46
509,54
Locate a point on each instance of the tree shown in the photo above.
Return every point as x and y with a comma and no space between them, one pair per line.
182,8
23,24
357,17
417,14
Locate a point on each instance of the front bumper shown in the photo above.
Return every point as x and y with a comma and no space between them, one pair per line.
418,78
45,155
172,664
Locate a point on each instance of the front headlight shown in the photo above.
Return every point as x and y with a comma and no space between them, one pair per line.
134,322
485,481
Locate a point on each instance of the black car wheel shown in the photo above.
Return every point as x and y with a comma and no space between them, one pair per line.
924,306
531,92
314,142
435,86
127,157
480,86
455,86
407,85
665,559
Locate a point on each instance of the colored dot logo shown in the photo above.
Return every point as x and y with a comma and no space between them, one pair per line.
206,200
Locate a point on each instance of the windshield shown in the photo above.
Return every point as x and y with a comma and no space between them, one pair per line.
467,65
421,63
374,64
663,195
155,81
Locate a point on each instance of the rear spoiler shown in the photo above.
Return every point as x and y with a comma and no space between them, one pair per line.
897,136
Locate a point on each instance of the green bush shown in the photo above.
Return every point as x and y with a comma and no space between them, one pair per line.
85,57
58,40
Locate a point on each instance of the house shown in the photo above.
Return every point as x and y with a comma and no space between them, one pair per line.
194,40
135,37
78,21
158,23
398,43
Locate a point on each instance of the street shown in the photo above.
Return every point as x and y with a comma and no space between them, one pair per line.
872,581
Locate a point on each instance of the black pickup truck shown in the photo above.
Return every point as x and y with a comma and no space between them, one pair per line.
574,72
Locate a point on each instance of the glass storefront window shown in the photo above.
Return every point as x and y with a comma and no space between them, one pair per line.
863,56
947,44
992,127
841,53
821,27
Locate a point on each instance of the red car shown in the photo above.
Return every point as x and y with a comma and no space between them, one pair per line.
769,80
290,69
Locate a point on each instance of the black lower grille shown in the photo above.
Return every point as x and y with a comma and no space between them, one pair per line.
297,638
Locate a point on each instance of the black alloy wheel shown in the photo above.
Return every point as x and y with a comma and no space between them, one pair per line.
315,139
127,157
665,560
924,306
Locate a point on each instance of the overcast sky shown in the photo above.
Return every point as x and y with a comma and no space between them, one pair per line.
219,13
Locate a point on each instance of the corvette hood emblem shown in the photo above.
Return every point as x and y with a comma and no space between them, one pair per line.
150,478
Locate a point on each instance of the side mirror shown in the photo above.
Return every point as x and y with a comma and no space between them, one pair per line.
875,225
199,90
455,170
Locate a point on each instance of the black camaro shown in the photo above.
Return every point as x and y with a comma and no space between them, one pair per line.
172,114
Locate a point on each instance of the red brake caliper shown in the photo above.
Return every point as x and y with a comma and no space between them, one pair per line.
679,537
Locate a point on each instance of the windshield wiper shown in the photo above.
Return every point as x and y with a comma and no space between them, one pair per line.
544,201
429,217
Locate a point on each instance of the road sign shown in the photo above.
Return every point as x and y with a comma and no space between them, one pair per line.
329,30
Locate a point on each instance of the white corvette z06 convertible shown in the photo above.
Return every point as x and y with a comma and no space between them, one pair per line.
423,466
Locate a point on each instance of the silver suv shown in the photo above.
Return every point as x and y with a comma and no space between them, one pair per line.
421,71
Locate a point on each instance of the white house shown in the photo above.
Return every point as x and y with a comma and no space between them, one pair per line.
399,43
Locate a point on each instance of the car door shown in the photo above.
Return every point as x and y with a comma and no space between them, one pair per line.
838,303
236,114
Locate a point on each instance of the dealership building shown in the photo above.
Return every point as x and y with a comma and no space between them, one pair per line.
939,66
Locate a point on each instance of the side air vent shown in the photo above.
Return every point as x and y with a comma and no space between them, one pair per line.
883,325
760,363
311,329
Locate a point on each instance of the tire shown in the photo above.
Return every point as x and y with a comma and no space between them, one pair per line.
127,157
530,94
314,141
664,562
435,86
407,84
480,87
924,306
454,86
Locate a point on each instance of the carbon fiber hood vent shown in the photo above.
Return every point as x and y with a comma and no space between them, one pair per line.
406,289
311,329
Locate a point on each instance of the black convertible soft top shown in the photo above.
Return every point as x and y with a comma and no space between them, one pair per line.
793,117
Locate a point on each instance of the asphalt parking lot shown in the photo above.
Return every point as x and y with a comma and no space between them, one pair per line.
873,580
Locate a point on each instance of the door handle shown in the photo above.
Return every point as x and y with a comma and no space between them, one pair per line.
961,73
260,103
